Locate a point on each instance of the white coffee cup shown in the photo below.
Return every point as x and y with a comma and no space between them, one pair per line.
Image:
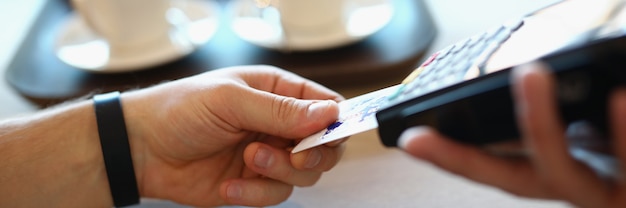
309,15
126,23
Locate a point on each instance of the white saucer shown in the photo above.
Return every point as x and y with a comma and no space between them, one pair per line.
262,26
195,23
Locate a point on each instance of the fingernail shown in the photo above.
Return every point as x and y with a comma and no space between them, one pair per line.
314,158
524,70
233,191
263,157
524,76
521,70
409,135
317,109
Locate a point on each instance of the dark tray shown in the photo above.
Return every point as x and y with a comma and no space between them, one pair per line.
391,53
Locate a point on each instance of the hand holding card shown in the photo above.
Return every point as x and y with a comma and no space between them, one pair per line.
356,115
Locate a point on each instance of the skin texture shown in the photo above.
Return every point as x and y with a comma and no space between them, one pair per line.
548,171
218,138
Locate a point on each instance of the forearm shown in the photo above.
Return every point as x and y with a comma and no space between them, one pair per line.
53,159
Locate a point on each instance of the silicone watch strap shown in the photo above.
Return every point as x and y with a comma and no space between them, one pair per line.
116,149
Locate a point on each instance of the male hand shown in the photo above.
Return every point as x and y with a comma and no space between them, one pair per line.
223,137
549,171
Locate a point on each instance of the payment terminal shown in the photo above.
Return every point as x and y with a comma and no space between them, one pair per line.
464,92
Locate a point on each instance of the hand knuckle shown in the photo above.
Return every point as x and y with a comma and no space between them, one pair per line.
282,108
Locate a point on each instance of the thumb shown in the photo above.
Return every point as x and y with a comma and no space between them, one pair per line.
285,116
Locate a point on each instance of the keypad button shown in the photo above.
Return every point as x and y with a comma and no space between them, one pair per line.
449,66
474,40
514,24
443,53
459,46
493,32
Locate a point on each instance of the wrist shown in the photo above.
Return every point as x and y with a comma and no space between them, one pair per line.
136,122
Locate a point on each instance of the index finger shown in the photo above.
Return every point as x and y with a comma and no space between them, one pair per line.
537,113
537,110
618,117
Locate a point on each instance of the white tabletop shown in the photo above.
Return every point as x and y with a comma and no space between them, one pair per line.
369,175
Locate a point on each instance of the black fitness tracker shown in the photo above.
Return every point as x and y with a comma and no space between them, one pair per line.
116,149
